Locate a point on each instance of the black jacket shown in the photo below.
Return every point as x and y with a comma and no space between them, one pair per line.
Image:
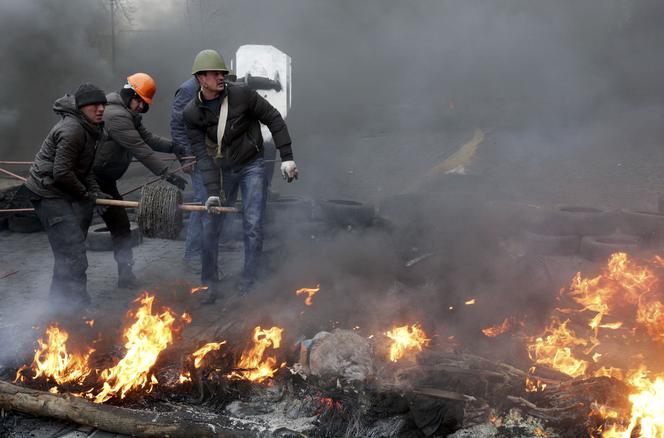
128,138
63,165
242,141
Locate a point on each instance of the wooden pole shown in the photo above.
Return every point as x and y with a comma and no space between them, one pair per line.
112,418
6,172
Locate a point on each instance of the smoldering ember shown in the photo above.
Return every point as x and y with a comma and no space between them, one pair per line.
371,218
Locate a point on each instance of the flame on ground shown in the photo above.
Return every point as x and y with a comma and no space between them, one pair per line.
198,289
628,290
53,361
145,338
405,339
309,292
252,366
199,354
507,325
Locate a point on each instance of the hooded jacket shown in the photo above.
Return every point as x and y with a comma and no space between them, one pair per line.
127,138
242,141
63,165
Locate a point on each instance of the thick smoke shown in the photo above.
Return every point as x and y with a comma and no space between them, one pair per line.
567,93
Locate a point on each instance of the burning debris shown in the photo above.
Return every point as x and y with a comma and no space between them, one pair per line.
253,365
309,292
406,339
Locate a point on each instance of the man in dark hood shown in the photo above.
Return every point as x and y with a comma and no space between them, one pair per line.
128,138
63,190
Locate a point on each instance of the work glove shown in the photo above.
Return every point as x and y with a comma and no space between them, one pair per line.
289,170
100,209
212,201
177,181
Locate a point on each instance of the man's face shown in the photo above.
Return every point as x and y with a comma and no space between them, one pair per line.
212,80
94,112
137,105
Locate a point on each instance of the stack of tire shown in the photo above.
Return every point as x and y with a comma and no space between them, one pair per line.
589,231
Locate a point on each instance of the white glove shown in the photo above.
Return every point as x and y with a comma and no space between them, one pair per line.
212,201
289,170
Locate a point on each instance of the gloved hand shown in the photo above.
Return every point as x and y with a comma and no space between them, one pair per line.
100,209
289,170
177,181
212,201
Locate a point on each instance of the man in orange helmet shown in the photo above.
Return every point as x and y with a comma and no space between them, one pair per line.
128,138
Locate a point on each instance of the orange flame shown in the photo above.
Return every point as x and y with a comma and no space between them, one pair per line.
554,348
198,289
199,354
148,336
185,377
90,322
309,292
405,339
470,302
186,318
501,328
252,366
52,360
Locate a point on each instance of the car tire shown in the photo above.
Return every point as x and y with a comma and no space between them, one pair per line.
99,238
543,244
600,248
288,210
645,224
344,213
580,220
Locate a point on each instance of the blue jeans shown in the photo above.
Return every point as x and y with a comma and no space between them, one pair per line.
250,180
192,247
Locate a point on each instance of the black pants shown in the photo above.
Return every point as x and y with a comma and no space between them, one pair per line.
117,222
66,224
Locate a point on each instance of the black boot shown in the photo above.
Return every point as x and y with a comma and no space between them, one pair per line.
211,295
126,278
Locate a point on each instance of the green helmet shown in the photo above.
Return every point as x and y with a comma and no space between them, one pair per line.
208,60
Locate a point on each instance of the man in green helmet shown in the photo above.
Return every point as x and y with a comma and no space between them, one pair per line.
223,126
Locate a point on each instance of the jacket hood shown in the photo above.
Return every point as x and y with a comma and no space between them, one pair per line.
66,107
114,98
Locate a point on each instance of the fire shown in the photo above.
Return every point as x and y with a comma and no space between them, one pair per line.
198,289
53,361
252,366
470,302
90,322
148,336
501,328
554,348
309,292
185,377
405,339
186,318
632,292
199,354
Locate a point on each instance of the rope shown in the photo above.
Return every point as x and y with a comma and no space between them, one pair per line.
158,213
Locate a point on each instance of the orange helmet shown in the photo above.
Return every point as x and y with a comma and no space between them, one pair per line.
143,85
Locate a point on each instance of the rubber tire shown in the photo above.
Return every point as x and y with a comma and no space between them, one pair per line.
600,248
288,210
542,244
25,223
646,224
565,220
99,238
344,213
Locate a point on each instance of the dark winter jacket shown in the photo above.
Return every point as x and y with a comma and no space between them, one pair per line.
242,141
63,165
184,94
127,138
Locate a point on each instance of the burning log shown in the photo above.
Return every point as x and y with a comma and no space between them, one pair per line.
112,418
